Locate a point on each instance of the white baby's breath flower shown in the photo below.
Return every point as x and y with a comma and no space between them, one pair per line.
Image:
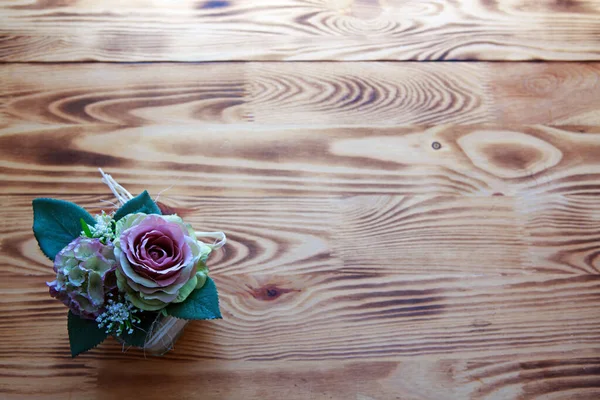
103,229
118,318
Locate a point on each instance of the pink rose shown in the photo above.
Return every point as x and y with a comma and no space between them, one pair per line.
158,260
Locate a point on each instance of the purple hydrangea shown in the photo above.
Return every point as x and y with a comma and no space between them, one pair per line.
85,275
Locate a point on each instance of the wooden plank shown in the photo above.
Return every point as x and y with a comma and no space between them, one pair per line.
123,94
278,235
422,234
556,93
558,238
347,317
477,379
332,94
364,93
240,160
424,93
191,30
554,376
401,235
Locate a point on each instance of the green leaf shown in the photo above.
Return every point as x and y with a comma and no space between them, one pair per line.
203,303
85,227
84,334
140,204
56,223
140,330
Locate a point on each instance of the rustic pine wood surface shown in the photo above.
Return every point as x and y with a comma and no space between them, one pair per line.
397,230
208,30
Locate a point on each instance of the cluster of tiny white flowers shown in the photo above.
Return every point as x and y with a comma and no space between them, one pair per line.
118,318
103,228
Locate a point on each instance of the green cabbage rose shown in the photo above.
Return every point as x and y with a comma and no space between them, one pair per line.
160,260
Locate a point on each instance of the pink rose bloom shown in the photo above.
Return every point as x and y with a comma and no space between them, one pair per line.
160,260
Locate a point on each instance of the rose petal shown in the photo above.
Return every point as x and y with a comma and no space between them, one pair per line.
182,278
157,254
162,296
128,271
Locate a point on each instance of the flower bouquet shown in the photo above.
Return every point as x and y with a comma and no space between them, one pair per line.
133,274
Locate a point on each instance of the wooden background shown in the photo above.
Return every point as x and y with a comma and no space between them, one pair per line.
397,229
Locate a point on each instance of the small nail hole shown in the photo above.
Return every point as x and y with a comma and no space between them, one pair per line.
436,145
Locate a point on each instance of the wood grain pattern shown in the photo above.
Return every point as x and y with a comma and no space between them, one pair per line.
365,234
235,160
273,272
192,30
320,317
278,271
414,231
558,237
554,376
122,94
316,304
554,93
259,93
327,94
481,337
357,94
